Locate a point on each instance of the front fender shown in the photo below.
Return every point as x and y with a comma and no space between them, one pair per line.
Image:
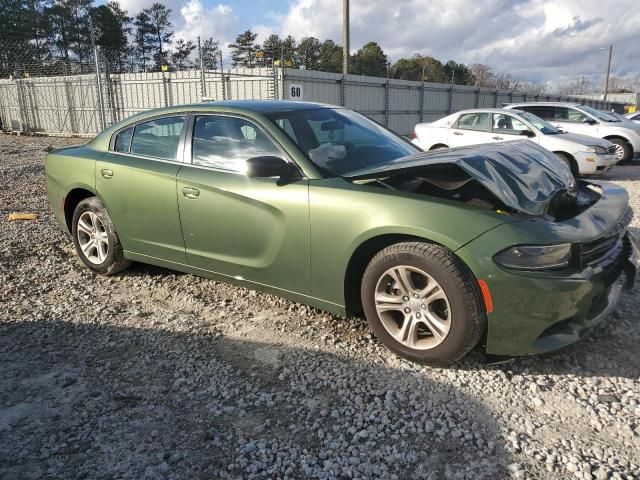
344,216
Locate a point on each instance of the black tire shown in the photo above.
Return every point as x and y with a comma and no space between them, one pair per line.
570,161
114,261
467,316
628,149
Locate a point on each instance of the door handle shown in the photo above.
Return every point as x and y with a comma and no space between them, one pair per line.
497,138
190,192
458,133
106,173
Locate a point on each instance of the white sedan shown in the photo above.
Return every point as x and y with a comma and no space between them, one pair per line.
585,155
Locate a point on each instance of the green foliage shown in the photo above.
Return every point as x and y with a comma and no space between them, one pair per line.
429,69
330,57
369,60
244,50
210,53
143,39
181,56
161,30
308,53
111,31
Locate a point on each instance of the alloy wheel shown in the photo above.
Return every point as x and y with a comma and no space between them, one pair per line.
412,307
619,152
92,238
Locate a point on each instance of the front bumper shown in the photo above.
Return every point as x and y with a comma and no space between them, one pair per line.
537,313
591,163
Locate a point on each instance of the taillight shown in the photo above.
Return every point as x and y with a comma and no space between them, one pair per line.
414,135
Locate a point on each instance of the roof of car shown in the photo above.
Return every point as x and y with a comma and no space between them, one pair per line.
489,110
261,106
533,104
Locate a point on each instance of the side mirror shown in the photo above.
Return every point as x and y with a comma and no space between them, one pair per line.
589,120
268,166
527,133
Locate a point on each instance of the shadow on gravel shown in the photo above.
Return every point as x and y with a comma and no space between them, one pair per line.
101,402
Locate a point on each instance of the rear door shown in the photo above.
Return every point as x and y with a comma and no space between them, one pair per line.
254,229
573,120
470,129
136,180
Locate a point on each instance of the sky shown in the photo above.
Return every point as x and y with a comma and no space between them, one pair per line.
539,40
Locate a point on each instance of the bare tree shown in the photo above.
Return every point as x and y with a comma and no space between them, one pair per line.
482,74
580,86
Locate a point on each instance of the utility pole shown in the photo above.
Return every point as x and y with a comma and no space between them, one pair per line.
203,84
345,36
606,80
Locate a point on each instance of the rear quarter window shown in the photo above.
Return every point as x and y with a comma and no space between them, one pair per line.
123,140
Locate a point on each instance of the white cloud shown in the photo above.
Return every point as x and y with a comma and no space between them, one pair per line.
535,39
219,22
546,40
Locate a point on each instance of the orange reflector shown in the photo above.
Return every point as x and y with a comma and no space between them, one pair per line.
486,295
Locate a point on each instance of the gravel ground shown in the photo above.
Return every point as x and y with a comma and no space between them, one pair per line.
156,374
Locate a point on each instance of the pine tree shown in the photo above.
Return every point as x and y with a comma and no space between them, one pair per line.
181,54
162,33
369,60
111,27
244,50
272,47
143,42
330,57
210,53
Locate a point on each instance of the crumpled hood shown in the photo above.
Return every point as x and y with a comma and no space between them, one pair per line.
521,174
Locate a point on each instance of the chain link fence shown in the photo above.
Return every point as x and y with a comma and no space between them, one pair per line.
72,97
82,98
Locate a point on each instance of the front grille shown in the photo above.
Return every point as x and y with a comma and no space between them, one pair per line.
612,150
597,252
607,249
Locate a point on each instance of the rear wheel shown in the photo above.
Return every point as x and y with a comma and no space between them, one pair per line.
95,238
624,151
422,303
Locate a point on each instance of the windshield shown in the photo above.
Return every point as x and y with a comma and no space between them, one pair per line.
540,124
340,141
599,115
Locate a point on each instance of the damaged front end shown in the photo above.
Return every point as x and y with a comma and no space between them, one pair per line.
510,177
579,229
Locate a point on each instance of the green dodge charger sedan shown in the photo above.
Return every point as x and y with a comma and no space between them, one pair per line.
442,250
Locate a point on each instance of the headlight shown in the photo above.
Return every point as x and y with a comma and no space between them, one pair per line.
598,149
535,257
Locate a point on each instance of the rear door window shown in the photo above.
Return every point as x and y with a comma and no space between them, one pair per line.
158,138
474,121
542,111
566,114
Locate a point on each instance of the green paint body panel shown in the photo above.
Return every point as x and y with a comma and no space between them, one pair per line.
297,239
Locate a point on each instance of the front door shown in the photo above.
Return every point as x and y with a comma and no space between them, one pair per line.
506,127
136,181
253,229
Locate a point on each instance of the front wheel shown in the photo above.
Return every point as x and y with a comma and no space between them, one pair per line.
422,303
95,238
624,151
